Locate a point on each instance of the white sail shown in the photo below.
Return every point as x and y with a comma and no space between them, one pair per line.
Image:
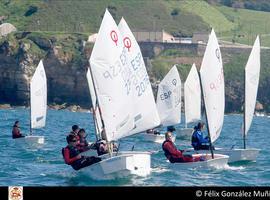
95,108
38,91
146,115
212,80
252,74
169,98
111,77
192,95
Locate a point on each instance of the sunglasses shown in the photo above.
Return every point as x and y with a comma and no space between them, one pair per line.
73,140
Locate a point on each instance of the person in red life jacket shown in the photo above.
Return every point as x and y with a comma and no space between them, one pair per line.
83,144
172,153
72,155
16,132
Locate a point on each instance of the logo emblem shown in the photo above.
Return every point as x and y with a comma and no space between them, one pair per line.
15,193
127,43
174,82
114,36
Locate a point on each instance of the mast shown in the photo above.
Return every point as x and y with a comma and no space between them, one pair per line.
97,132
102,122
185,107
30,108
244,115
209,136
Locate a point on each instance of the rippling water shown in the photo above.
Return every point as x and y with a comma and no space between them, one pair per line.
45,167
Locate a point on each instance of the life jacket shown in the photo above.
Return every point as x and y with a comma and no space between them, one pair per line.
73,152
16,132
194,139
166,152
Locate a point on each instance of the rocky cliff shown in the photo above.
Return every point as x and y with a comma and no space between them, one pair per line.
66,80
66,57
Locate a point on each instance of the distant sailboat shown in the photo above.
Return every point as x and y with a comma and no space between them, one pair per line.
168,103
38,106
192,103
252,72
252,75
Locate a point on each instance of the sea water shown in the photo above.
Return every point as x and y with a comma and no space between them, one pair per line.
45,167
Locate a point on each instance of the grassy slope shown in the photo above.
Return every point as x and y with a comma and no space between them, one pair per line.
249,24
210,14
66,15
85,16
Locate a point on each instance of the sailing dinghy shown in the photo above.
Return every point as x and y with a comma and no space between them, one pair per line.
212,88
168,104
252,73
113,80
38,107
192,103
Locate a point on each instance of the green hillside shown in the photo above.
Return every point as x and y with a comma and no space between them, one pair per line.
180,18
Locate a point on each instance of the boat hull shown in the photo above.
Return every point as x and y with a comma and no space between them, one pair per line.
155,138
236,155
120,165
219,161
34,141
184,132
90,152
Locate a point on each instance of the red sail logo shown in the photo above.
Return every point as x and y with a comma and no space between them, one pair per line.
114,36
127,42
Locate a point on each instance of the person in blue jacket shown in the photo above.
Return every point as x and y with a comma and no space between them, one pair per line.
197,140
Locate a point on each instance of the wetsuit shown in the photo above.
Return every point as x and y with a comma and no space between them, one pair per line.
174,155
70,153
198,141
16,132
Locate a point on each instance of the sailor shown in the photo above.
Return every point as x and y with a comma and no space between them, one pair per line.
72,155
153,131
75,130
172,153
102,147
16,132
197,140
83,144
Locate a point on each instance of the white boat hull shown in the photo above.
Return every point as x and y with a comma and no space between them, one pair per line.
184,132
155,138
219,161
34,141
236,155
120,165
90,152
